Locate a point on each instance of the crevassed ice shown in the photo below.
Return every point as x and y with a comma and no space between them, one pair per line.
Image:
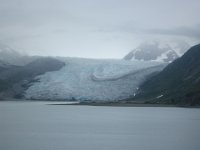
90,79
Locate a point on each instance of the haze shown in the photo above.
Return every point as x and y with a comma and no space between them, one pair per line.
94,28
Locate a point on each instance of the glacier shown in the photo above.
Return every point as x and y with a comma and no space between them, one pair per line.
92,79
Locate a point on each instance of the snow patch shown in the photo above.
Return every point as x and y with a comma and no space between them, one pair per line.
159,96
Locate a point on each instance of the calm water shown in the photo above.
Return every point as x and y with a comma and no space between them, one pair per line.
37,126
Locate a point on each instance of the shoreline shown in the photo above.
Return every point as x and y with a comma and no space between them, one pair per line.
99,103
123,105
127,105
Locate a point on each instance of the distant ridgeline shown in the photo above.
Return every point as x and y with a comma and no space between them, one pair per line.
178,83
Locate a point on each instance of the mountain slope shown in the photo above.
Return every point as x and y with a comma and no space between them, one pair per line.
14,80
13,57
178,83
4,66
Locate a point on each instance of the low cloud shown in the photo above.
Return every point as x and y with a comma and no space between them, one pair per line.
190,32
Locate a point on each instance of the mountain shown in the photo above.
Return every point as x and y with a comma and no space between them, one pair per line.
92,79
152,52
4,66
178,83
14,80
13,57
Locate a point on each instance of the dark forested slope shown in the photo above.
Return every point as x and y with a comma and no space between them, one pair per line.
178,83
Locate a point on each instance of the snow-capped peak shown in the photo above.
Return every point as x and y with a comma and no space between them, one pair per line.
152,52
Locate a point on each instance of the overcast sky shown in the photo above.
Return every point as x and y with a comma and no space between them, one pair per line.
95,28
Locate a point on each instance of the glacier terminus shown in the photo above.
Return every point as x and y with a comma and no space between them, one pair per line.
92,79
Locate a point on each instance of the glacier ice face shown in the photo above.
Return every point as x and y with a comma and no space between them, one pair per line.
89,79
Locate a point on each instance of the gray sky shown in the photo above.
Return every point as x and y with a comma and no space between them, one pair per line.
96,28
